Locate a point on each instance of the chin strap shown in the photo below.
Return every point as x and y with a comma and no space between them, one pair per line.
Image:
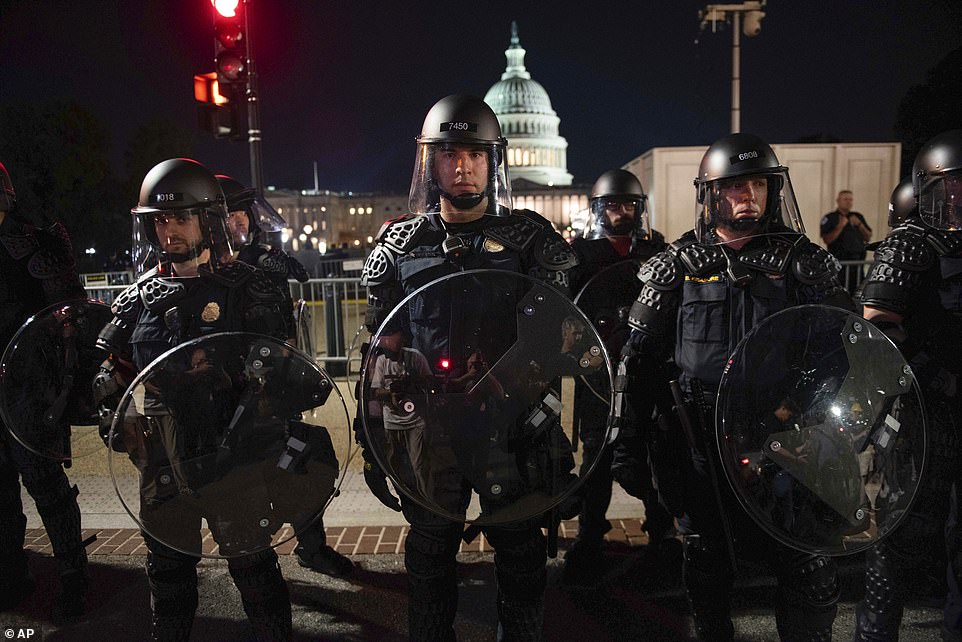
464,201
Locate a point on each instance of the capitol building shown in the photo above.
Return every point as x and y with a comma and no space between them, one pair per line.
536,152
537,159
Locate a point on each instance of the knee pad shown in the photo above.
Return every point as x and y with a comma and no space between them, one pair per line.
811,584
519,559
430,552
258,578
707,573
173,584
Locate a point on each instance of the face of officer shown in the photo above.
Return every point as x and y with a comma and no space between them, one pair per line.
621,215
743,198
461,170
177,232
239,226
844,202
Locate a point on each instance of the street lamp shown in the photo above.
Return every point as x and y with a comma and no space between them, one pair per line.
751,26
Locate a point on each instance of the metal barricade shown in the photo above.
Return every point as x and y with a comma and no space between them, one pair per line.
337,308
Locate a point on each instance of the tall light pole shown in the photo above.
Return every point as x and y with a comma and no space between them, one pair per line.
751,26
236,74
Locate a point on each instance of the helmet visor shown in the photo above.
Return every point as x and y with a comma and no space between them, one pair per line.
179,236
617,217
460,177
940,201
731,209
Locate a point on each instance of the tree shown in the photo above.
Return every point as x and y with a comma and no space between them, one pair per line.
57,156
930,108
152,143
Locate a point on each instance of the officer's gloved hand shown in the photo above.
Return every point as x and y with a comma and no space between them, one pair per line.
376,480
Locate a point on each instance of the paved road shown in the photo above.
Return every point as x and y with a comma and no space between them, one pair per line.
638,599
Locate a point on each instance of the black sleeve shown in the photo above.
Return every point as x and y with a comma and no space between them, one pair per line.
829,221
864,222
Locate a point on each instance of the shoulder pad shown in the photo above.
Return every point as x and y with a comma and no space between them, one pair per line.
813,264
260,287
21,245
661,272
55,256
231,274
274,262
126,306
699,259
518,231
554,253
945,243
402,234
908,249
379,266
772,258
159,293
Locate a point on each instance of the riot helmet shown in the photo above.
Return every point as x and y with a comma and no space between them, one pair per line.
937,180
902,202
742,190
250,218
180,215
8,198
461,159
617,203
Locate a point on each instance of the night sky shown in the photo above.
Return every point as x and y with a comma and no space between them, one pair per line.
347,84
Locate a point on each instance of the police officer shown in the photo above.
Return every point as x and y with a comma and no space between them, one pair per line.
255,228
913,292
618,231
746,259
461,218
196,288
38,270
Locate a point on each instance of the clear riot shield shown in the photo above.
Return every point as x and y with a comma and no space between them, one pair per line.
356,351
220,429
467,386
812,399
606,300
303,322
46,398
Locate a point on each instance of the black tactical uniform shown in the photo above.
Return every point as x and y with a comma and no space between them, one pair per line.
163,310
38,269
258,249
411,252
699,298
913,292
604,244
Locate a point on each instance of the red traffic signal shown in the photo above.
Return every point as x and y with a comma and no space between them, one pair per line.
226,8
230,41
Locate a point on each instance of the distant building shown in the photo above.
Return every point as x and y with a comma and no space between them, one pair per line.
536,152
326,220
537,160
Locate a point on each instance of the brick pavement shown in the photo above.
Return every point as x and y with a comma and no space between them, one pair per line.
349,540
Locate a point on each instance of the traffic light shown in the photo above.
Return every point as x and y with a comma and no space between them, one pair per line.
230,43
216,112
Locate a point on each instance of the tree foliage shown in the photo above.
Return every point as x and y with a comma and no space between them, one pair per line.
930,108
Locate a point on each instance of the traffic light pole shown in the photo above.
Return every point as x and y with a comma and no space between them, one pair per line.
253,108
736,72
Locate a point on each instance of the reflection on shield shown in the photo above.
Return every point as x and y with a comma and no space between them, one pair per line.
810,398
606,300
302,321
466,387
221,429
46,397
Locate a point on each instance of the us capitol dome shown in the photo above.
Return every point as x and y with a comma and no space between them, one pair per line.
536,152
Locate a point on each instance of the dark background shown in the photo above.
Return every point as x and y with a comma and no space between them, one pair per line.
93,93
